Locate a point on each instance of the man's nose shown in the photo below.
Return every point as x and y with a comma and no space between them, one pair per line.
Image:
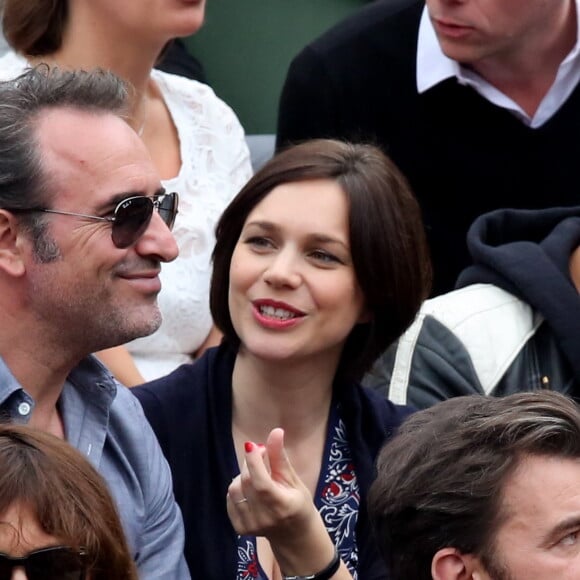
18,573
157,240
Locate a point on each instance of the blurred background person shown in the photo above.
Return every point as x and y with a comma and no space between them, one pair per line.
176,59
320,263
195,141
476,101
57,519
512,323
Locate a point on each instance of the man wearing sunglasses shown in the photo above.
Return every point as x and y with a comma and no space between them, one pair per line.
84,229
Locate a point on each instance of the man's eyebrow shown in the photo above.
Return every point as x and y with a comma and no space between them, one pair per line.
116,199
563,527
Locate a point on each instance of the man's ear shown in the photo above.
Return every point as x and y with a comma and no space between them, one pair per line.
451,564
11,245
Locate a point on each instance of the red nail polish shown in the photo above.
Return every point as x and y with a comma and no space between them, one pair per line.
261,445
249,446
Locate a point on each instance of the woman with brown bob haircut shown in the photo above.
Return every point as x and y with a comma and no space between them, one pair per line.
57,519
320,264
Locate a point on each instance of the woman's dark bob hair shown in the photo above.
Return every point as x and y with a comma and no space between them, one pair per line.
387,239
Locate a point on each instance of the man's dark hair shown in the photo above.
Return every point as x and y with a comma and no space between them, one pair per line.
387,240
24,182
440,481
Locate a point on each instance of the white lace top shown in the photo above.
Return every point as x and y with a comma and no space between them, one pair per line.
215,165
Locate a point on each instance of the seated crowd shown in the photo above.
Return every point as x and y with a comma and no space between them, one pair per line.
330,419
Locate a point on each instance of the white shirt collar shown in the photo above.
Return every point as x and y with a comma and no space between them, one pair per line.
433,67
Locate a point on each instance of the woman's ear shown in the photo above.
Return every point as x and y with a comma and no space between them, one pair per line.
11,245
451,564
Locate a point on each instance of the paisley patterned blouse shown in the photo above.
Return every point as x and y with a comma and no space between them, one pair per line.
337,499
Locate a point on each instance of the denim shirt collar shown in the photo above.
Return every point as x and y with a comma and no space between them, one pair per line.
85,403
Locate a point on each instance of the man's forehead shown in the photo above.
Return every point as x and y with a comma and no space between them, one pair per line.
79,137
535,478
93,147
73,118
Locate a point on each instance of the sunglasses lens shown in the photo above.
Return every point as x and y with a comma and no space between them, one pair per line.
5,568
168,208
132,217
58,563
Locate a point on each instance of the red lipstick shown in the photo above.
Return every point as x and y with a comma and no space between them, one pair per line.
276,315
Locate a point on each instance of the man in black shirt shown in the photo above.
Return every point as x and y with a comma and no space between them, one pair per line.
477,101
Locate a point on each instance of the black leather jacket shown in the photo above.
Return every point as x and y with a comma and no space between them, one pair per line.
476,340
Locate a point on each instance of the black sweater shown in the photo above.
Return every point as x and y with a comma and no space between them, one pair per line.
463,155
190,411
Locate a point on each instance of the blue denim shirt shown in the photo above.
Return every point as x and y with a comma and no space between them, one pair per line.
105,422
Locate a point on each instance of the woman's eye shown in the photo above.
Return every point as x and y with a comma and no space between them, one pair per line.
324,257
259,242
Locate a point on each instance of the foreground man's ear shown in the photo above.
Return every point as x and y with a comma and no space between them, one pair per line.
11,245
451,564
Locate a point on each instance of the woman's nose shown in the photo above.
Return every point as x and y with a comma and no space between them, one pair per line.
283,270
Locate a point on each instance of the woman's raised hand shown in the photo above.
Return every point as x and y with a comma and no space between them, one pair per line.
268,498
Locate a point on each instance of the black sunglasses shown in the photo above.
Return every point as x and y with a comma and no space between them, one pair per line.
130,218
54,563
